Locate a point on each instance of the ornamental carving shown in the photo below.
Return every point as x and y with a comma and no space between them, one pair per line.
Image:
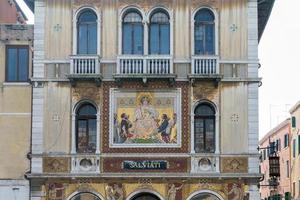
114,192
56,165
146,4
206,91
200,3
235,191
56,191
86,91
234,165
174,192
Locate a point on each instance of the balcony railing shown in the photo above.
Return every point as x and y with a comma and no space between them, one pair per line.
147,65
205,65
85,164
84,65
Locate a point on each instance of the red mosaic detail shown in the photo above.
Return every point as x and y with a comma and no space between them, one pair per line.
158,85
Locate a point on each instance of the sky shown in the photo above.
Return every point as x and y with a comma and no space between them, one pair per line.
279,53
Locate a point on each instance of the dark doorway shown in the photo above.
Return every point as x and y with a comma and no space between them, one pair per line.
145,196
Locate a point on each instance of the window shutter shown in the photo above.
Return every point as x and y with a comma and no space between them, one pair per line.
293,122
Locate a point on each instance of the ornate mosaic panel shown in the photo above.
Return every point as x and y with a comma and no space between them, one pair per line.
145,118
161,125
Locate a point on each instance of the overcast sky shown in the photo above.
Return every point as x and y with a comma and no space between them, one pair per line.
279,53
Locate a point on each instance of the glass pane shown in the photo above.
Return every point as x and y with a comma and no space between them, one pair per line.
87,16
87,110
199,135
209,39
204,110
138,46
12,64
204,196
154,39
92,39
132,17
159,17
165,39
199,39
210,135
82,136
85,196
92,135
23,64
204,15
82,39
127,39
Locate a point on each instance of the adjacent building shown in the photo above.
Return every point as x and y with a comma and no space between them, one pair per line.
276,143
16,50
295,151
11,13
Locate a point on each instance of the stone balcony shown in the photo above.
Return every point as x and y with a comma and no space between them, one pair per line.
85,67
145,67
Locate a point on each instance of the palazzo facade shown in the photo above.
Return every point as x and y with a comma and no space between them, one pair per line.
156,100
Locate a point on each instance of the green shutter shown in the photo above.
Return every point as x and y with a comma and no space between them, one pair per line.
294,148
298,144
293,122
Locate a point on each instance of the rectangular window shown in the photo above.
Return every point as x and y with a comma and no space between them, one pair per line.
294,188
286,140
287,169
17,63
294,148
293,122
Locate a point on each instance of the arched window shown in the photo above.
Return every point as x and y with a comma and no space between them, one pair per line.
204,128
87,32
85,196
204,32
205,196
133,33
86,123
159,33
145,196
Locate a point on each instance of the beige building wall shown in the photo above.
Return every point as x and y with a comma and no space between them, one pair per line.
15,116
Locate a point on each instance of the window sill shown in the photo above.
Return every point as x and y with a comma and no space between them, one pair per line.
16,84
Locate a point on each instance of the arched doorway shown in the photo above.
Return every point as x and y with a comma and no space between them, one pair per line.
85,196
145,196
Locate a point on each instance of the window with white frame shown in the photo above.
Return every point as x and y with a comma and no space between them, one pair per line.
132,33
204,32
159,32
87,32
